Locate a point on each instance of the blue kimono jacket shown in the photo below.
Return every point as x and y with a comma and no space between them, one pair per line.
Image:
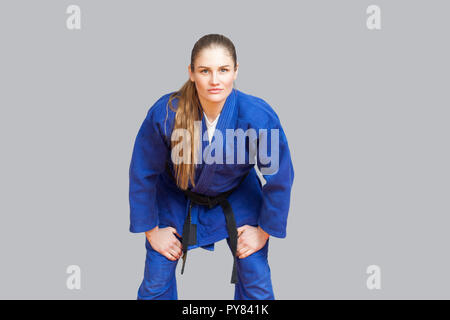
156,200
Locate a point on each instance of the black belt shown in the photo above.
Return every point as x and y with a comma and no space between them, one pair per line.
190,230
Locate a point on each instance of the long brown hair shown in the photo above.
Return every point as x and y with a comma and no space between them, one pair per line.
189,109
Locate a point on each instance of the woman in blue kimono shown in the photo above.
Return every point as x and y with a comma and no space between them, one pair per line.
193,180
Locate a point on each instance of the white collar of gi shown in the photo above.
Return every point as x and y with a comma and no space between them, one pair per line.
210,124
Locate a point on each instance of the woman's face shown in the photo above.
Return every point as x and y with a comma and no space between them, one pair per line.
213,70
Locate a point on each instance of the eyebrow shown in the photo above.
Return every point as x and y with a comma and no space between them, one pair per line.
208,67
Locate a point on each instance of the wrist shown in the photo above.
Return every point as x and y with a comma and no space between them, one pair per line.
150,232
266,235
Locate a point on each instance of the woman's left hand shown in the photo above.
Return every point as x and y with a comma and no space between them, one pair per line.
250,240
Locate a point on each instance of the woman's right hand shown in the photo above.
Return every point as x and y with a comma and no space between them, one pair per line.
164,241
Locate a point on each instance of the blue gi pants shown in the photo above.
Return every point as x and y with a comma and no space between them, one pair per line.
254,280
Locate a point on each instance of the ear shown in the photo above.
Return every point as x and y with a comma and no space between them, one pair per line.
190,73
236,72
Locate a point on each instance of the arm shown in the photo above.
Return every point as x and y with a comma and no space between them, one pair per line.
150,154
274,162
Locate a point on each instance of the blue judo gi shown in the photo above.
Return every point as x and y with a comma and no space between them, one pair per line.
156,200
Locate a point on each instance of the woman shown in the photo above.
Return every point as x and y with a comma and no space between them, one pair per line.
193,181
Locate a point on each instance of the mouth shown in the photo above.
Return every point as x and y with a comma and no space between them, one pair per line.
214,90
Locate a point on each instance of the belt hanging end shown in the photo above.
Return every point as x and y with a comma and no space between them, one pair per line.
234,278
184,261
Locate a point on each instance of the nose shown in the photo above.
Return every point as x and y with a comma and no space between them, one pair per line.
214,78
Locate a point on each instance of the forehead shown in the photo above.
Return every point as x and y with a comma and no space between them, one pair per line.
213,57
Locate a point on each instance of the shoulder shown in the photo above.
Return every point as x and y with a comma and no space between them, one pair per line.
160,108
255,110
161,117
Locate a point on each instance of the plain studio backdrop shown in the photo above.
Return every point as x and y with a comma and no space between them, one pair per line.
365,113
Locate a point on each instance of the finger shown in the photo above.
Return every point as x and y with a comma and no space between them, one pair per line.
177,250
176,241
241,251
178,244
175,254
246,254
169,256
174,231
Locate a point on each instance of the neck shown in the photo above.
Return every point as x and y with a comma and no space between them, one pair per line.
211,109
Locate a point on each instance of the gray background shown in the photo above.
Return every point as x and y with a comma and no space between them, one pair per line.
365,113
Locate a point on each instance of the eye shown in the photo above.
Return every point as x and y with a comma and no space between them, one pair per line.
225,69
203,70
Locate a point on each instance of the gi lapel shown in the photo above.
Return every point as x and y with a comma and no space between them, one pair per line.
226,120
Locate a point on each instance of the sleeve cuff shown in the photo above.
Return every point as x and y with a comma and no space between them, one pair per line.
271,232
142,227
